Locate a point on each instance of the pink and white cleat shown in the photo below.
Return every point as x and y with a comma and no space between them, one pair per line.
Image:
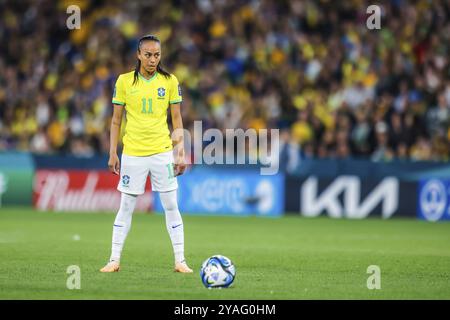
112,266
182,267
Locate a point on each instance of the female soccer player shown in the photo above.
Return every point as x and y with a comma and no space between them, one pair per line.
145,94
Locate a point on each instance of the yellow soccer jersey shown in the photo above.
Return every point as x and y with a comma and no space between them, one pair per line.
146,103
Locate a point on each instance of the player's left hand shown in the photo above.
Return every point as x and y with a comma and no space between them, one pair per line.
180,163
179,169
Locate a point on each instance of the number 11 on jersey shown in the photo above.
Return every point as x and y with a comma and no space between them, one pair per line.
144,109
171,171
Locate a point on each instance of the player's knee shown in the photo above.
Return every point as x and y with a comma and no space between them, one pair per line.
171,208
169,202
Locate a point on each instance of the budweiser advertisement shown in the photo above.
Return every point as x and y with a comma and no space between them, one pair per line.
82,190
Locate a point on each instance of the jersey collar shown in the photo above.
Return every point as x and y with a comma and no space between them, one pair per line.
148,80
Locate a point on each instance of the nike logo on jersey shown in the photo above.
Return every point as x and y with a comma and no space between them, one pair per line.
173,227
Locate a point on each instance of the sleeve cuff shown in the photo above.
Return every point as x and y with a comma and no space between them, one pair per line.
175,101
118,102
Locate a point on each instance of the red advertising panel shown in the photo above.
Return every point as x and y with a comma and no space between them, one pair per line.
82,190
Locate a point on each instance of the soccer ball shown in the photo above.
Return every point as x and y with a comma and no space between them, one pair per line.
217,272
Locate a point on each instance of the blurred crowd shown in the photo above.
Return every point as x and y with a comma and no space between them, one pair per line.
313,69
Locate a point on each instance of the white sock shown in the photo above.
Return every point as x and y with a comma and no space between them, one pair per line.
122,225
174,223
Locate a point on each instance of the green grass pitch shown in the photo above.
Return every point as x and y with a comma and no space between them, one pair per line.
275,258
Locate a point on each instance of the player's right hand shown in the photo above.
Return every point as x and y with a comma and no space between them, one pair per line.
114,163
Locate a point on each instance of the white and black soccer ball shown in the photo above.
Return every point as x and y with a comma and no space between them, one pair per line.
217,272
